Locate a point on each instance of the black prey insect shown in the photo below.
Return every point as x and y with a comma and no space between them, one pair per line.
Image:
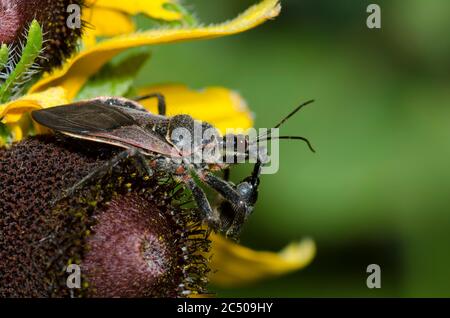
151,140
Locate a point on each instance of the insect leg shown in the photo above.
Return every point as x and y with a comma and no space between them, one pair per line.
226,174
142,164
161,101
200,198
240,203
248,189
99,171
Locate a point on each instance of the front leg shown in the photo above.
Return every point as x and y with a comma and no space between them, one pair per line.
241,199
212,219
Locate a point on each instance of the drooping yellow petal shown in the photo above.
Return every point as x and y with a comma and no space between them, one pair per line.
17,132
77,70
218,106
235,265
152,8
12,112
105,22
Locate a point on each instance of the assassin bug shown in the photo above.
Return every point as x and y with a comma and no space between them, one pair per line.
151,140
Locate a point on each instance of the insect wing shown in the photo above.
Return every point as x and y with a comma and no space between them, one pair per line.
138,137
96,121
82,118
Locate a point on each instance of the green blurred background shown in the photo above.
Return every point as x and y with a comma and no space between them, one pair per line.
378,189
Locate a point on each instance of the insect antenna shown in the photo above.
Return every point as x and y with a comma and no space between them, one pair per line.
291,138
254,178
293,112
286,118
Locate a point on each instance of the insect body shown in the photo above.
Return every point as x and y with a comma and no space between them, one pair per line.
161,143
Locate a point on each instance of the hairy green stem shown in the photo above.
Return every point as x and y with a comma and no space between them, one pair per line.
29,54
4,54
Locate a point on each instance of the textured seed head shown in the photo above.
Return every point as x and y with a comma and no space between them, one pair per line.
52,15
129,236
131,251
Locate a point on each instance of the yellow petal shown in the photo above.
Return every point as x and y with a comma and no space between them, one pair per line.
17,132
12,112
235,265
218,106
105,22
152,8
77,70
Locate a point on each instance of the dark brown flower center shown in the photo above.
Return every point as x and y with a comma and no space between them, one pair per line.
126,233
60,40
132,242
10,21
